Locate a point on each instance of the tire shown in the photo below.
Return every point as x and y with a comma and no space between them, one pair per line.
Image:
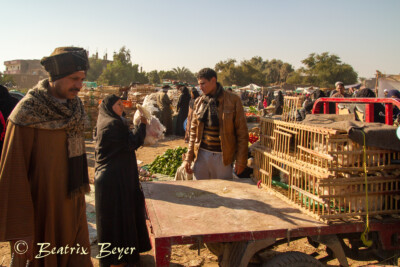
293,259
215,248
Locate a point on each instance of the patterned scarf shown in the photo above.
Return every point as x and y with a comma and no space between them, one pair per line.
38,109
208,112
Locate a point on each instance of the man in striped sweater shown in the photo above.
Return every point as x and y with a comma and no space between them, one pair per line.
218,131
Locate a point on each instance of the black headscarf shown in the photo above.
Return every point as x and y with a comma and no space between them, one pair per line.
279,103
107,104
7,102
185,91
195,95
366,92
318,94
393,93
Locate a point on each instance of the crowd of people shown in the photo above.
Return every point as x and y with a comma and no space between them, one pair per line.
272,103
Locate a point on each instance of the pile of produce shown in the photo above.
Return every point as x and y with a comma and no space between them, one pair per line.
252,114
253,138
145,175
169,162
254,135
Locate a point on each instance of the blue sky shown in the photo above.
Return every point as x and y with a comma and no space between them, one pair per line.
166,34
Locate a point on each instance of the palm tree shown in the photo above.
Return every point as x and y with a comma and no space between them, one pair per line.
182,73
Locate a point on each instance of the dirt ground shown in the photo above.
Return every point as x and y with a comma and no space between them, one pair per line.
187,255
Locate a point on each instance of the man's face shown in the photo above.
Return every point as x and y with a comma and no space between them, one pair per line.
69,86
207,86
340,88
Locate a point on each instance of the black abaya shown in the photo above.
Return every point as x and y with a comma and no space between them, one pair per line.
120,210
183,109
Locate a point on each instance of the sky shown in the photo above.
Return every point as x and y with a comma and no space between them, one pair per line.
165,34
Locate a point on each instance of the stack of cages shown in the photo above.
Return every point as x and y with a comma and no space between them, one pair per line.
137,93
321,171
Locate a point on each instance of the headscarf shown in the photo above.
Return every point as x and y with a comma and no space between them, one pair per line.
393,93
208,112
366,92
279,104
106,106
319,94
185,91
195,95
65,61
38,109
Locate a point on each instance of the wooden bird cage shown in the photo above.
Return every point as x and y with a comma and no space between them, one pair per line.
326,197
323,170
290,104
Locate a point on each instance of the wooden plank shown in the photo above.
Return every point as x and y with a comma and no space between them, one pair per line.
283,133
315,153
308,194
286,129
279,168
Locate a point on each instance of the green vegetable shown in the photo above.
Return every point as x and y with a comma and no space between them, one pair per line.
169,162
253,109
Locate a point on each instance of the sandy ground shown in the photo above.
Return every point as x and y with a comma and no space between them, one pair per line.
182,255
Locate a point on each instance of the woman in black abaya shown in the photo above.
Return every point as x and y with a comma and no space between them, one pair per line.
120,211
183,109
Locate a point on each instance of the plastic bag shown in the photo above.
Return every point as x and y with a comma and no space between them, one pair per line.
154,129
150,103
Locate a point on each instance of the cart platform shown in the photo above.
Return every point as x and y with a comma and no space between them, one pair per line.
186,212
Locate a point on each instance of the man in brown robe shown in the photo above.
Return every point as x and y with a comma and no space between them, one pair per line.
164,104
43,169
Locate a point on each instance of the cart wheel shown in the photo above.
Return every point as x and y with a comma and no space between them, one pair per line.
293,259
215,248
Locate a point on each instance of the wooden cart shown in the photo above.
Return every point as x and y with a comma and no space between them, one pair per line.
245,218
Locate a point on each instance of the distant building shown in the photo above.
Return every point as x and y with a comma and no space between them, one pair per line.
25,73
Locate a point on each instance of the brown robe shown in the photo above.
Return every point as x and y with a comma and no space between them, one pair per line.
34,200
164,103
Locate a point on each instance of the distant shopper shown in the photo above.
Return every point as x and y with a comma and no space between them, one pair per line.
183,109
340,91
164,104
270,97
307,100
385,92
194,94
394,94
7,104
308,106
279,104
265,103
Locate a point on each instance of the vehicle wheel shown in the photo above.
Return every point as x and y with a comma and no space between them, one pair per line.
293,259
215,248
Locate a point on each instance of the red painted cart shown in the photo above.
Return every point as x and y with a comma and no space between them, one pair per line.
247,219
321,105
